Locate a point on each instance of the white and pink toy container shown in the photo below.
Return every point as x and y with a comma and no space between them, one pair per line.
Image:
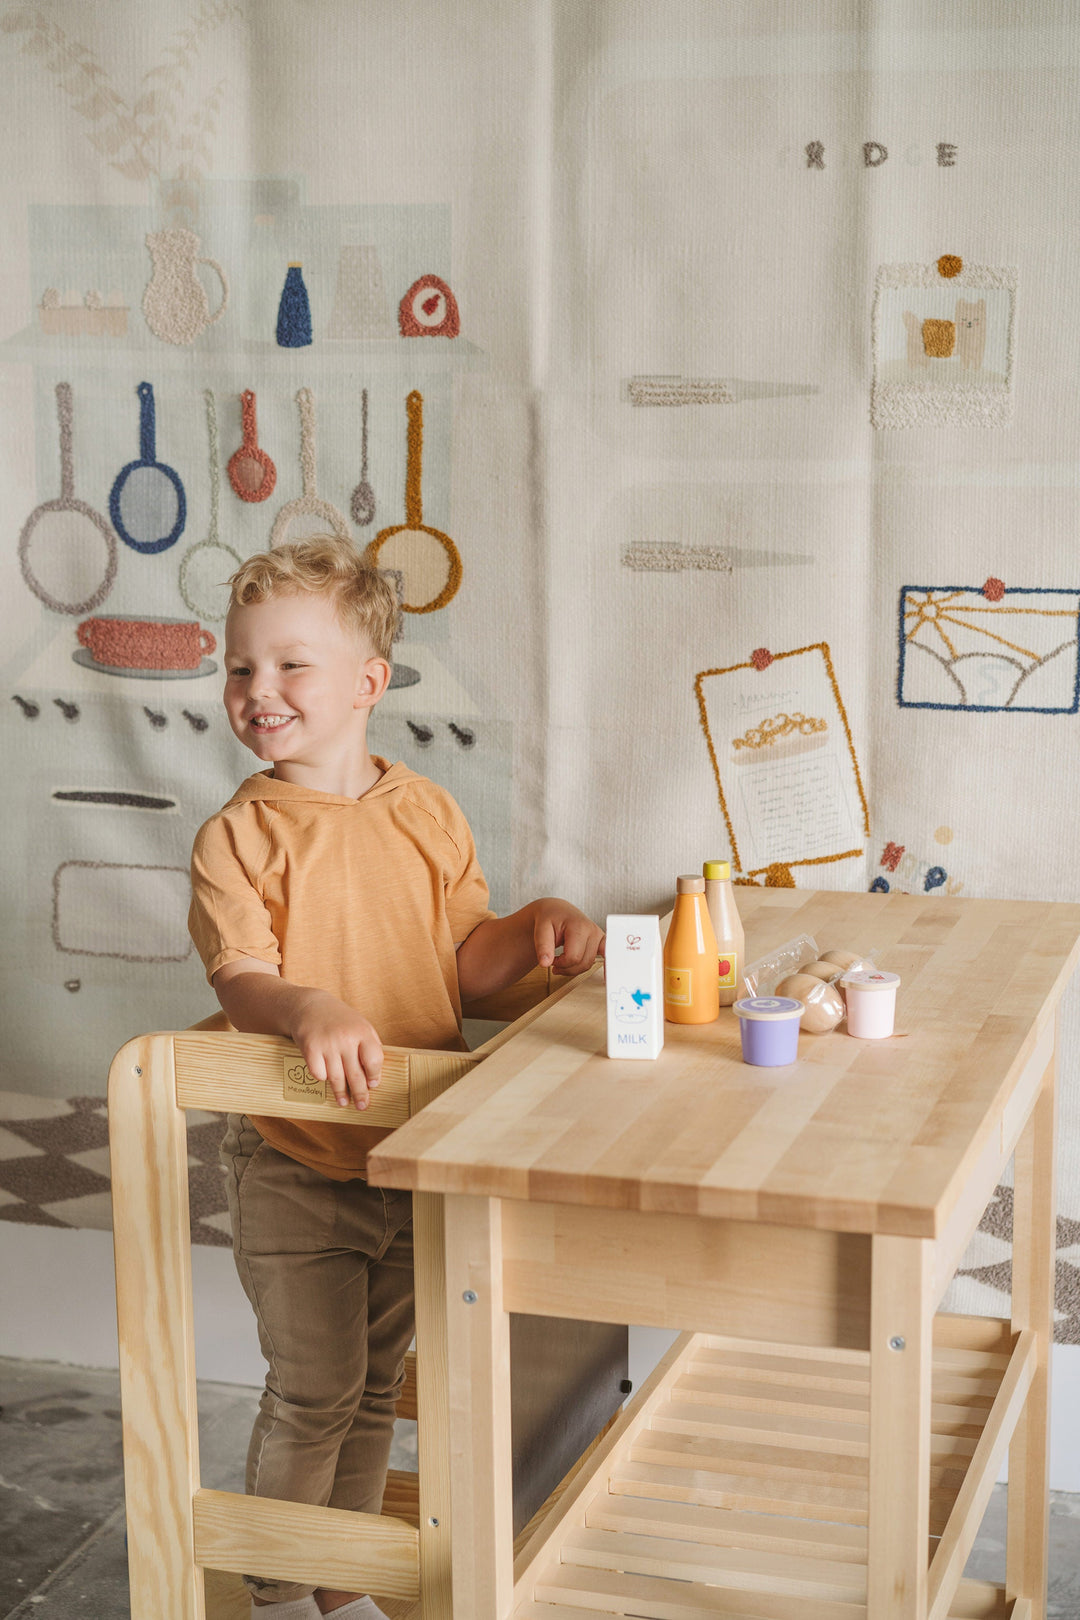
871,1003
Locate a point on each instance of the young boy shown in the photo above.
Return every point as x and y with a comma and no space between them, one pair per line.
337,900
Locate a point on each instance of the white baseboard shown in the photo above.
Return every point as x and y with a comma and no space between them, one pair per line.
60,1305
1065,1418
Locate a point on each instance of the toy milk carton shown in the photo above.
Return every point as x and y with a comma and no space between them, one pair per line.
634,968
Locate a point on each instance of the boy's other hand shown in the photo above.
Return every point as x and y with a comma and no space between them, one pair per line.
340,1046
557,922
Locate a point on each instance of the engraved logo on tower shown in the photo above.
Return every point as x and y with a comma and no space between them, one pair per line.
300,1084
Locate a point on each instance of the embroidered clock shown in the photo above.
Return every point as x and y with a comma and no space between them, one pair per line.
429,309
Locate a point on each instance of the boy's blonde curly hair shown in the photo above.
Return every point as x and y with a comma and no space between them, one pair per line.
365,600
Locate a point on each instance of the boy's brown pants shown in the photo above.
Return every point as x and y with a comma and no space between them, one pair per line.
327,1266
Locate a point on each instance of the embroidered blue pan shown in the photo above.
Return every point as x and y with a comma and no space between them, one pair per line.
147,502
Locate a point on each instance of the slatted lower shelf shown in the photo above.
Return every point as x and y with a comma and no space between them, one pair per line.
742,1489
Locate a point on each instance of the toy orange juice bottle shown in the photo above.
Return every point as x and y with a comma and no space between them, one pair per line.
724,916
691,988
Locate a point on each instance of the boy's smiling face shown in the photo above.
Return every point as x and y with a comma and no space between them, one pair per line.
299,684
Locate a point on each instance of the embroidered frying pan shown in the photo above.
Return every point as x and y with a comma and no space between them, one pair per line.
63,530
307,504
362,504
428,559
147,502
203,594
251,472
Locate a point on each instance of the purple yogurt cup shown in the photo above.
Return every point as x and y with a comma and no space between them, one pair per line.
769,1026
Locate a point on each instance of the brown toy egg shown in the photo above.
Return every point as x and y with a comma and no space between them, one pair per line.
798,985
823,1003
849,961
822,970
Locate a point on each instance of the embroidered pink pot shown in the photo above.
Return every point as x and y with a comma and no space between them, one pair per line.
126,642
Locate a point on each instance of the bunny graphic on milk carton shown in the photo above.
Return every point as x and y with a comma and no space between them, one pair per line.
635,998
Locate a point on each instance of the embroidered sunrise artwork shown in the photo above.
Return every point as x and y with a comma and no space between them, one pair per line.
989,647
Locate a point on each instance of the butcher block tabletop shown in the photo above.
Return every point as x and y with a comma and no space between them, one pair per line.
857,1136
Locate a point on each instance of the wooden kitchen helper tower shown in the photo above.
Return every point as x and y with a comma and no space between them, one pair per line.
823,1444
176,1529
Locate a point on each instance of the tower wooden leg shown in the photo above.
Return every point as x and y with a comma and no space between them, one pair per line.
151,1234
1033,1267
478,1343
901,1324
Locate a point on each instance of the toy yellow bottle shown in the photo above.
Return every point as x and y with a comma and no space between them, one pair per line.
691,988
724,916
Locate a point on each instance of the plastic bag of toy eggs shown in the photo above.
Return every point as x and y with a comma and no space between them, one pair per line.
840,962
823,1002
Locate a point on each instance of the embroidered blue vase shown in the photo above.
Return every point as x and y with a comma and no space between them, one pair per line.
294,311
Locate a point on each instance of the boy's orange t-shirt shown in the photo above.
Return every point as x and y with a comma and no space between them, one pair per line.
365,898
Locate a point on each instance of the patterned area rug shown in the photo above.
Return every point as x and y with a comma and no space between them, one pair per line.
54,1165
984,1281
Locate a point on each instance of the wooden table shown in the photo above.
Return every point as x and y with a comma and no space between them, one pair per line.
823,1443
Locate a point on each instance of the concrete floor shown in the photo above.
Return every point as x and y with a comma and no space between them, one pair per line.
61,1494
62,1554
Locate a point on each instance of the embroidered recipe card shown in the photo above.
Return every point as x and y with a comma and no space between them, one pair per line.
786,772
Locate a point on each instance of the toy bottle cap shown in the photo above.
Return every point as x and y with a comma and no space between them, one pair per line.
717,869
690,883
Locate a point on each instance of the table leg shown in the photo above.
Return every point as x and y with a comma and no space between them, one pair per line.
433,1446
478,1352
901,1342
1033,1266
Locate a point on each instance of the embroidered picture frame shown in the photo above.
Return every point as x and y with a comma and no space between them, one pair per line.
943,345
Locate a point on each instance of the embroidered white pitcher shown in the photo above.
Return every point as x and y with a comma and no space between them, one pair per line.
175,302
